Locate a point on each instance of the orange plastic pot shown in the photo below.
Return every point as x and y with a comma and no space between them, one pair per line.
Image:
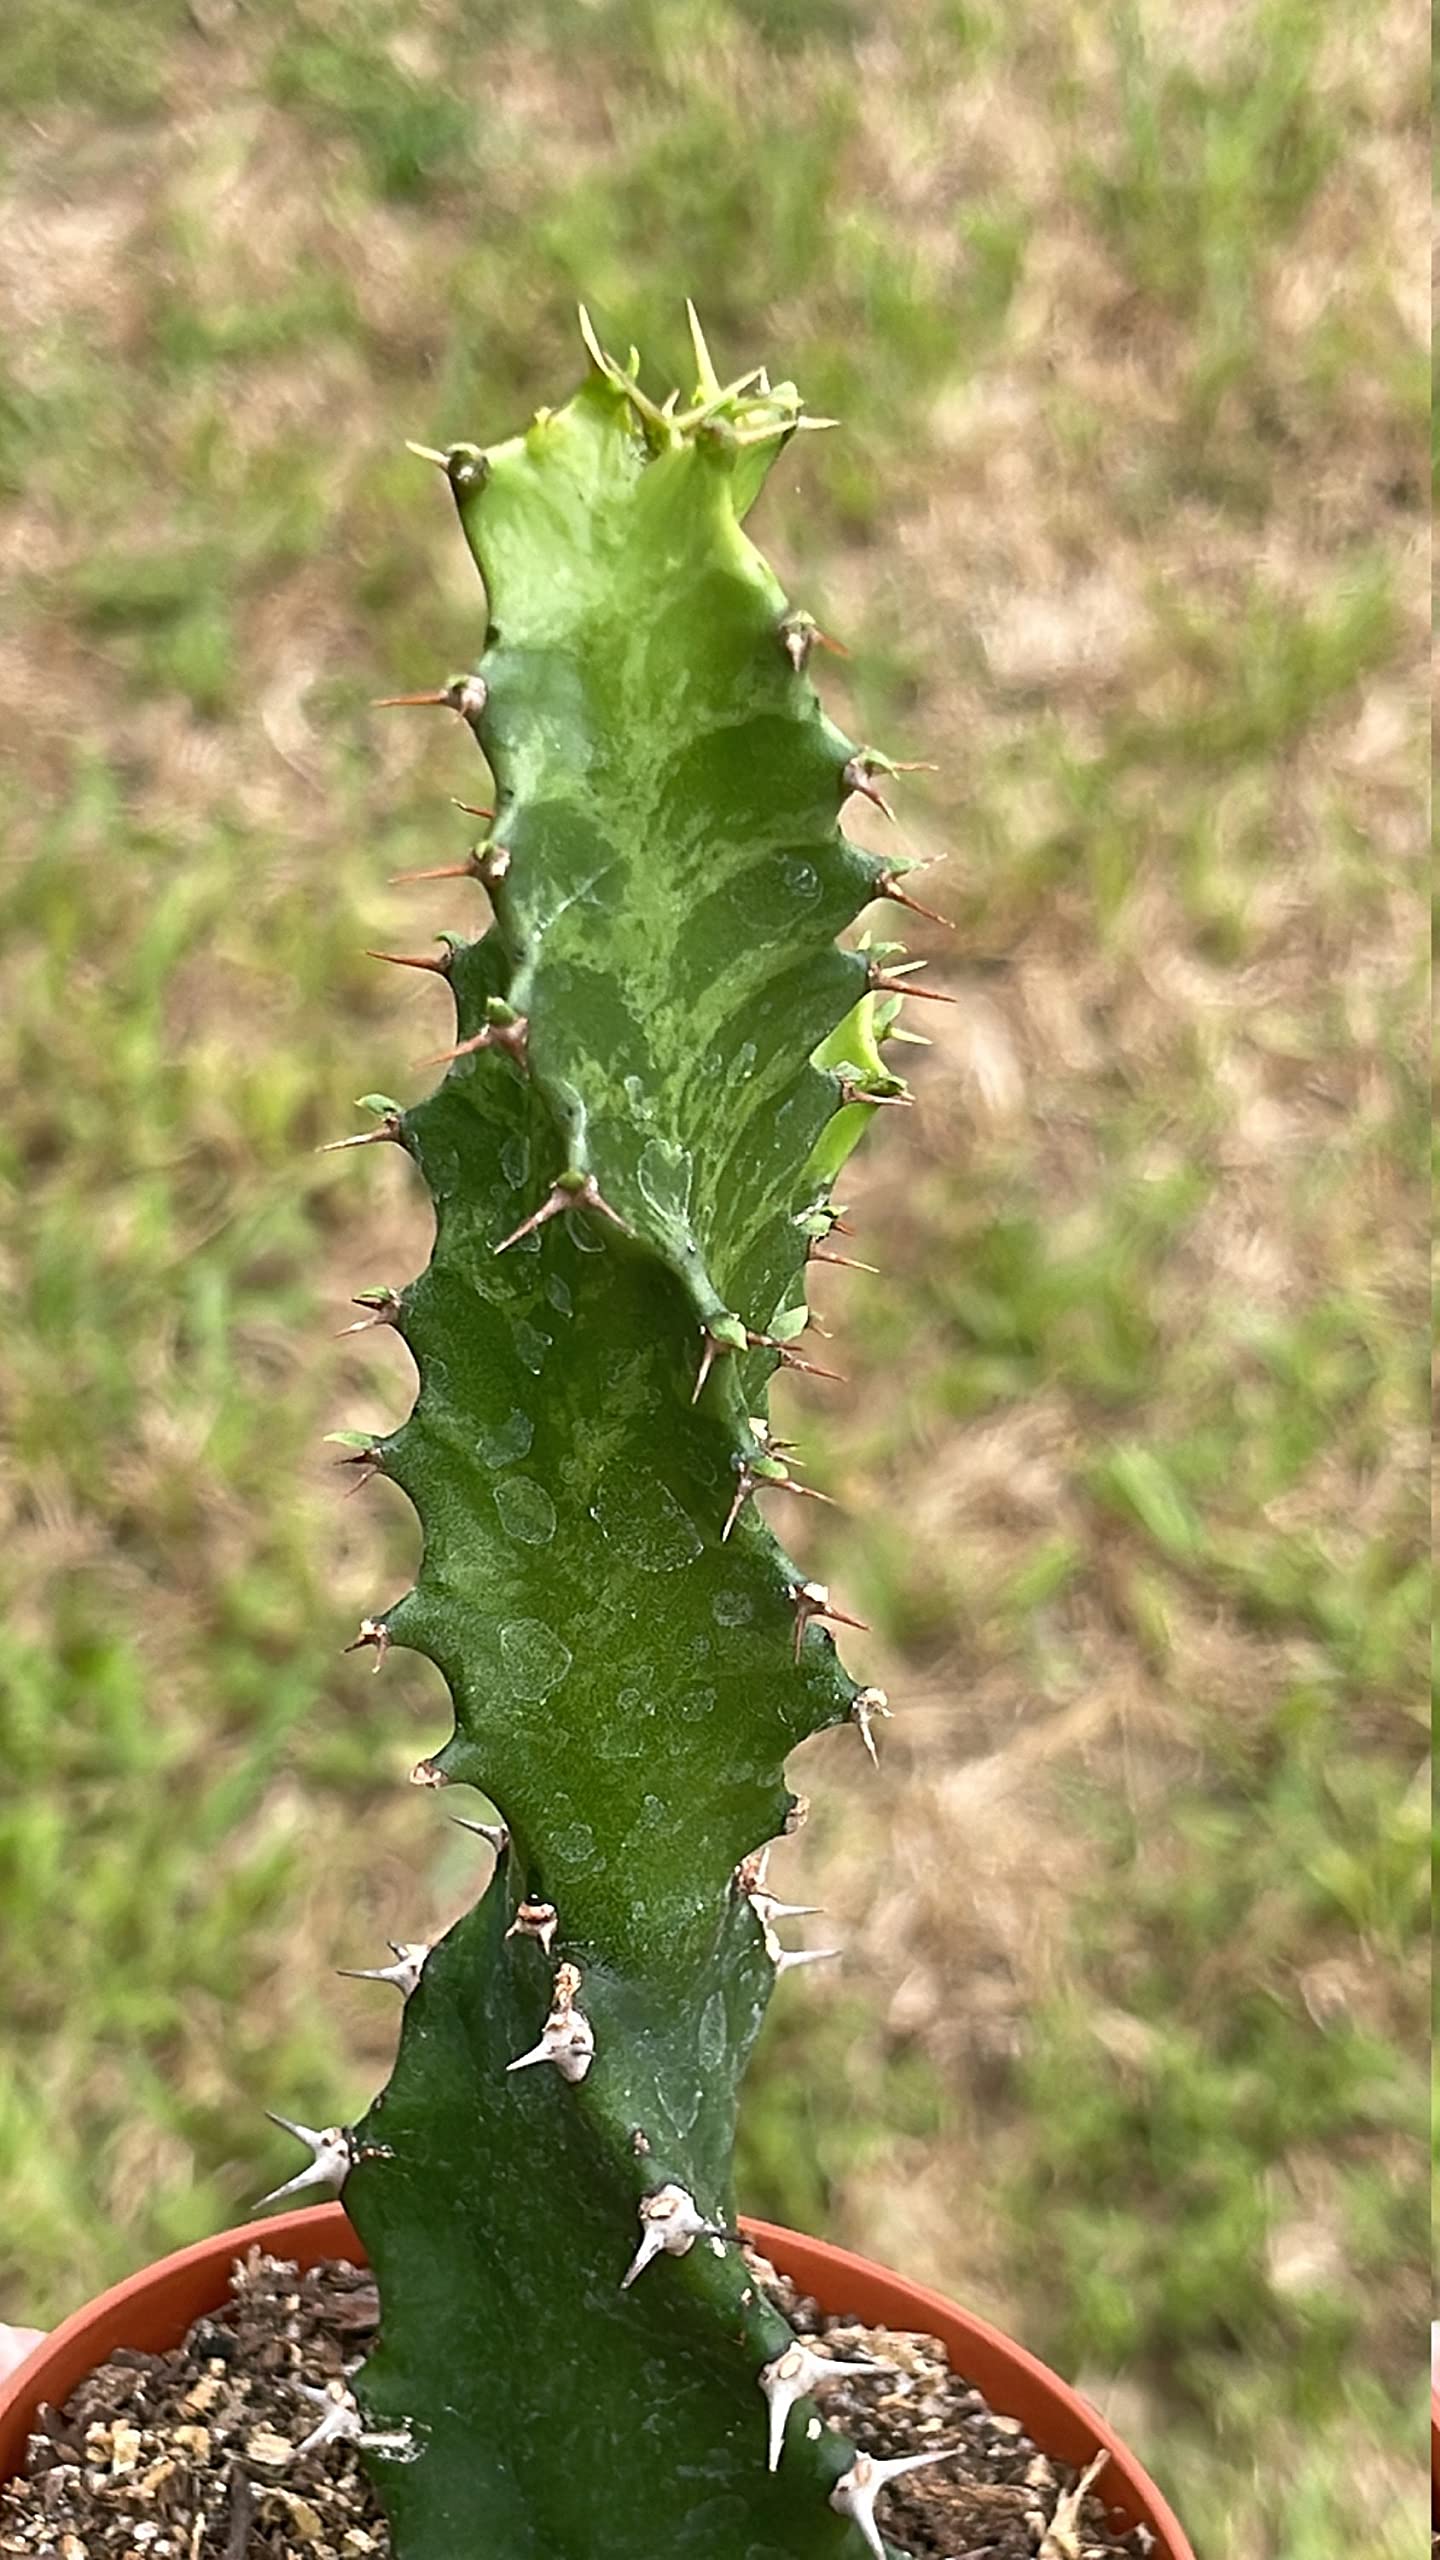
155,2308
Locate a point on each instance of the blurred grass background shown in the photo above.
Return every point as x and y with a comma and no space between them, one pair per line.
1123,308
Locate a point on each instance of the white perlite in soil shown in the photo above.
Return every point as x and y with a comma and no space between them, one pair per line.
239,2444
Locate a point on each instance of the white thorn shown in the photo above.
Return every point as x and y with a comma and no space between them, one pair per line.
340,2419
869,1703
494,1834
767,1909
569,2044
568,2039
535,1920
333,2158
786,1958
670,2220
372,1631
405,1972
341,2423
855,2495
793,2376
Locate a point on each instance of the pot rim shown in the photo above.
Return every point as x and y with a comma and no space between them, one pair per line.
164,2297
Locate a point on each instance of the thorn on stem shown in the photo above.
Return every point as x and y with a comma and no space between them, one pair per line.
464,465
868,1704
341,2423
467,694
573,1190
405,1972
387,1130
886,982
864,1089
792,1360
812,1601
373,1631
535,1920
785,1959
855,2494
494,1834
567,2039
670,2222
796,2375
846,1261
511,1034
758,1474
383,1307
800,633
858,775
438,967
333,2153
888,886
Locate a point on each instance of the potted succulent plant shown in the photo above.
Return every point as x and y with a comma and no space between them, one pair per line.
662,1059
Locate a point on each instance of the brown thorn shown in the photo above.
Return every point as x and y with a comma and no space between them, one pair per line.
889,888
880,981
846,1261
491,1035
437,871
411,702
365,1138
414,960
868,792
550,1208
585,1194
484,1038
852,1092
814,1603
791,1360
470,809
592,1199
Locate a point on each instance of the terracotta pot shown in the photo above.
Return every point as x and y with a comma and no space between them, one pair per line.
155,2308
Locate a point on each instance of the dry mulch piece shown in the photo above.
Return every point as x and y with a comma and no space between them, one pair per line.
201,2454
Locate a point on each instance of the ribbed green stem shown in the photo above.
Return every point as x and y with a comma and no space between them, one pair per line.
641,1114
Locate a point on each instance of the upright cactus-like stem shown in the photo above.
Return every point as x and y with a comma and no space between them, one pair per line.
661,1060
